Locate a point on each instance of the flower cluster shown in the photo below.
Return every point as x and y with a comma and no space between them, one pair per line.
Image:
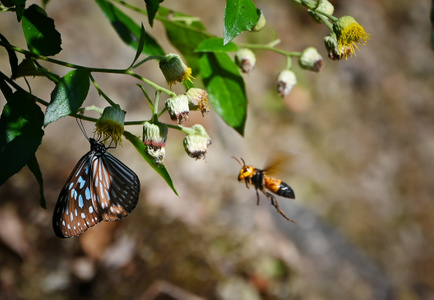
197,140
111,123
179,106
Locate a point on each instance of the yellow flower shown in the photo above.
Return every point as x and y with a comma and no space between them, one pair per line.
111,124
348,33
174,69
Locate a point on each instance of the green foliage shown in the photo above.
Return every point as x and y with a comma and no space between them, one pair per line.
152,7
34,168
216,45
226,89
41,35
20,132
128,30
184,36
159,168
68,96
13,59
240,16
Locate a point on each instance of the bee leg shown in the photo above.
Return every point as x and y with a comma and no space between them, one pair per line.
275,203
257,196
248,182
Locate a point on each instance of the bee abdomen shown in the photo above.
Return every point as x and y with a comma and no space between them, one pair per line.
279,187
285,191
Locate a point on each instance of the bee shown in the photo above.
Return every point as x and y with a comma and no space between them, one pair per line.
261,181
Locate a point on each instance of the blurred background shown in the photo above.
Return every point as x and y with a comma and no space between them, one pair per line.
360,134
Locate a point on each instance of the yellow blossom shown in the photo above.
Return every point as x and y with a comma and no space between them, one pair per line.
348,33
174,69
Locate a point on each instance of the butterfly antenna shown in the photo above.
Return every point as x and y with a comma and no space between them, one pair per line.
80,125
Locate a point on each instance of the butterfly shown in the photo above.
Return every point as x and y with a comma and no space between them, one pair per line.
99,188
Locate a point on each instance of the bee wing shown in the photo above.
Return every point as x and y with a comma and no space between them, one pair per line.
279,162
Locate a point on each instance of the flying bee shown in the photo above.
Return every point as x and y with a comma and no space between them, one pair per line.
261,181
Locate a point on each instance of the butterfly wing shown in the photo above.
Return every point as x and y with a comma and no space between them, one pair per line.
74,212
116,188
99,188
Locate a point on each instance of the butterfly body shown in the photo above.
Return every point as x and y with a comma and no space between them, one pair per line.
99,188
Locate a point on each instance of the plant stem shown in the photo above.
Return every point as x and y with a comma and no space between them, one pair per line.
147,81
101,92
155,112
187,20
89,69
271,48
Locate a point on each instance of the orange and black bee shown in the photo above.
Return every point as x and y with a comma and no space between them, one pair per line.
261,181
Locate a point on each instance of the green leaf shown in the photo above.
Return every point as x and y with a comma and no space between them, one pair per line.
13,59
140,45
7,3
20,5
41,35
160,169
225,88
240,15
4,87
185,35
152,7
216,45
30,67
128,30
68,95
45,2
34,168
20,133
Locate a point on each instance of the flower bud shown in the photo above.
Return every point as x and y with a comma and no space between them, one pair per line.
311,60
154,138
196,142
245,60
174,69
155,135
178,108
285,82
323,6
111,124
331,45
198,100
261,21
